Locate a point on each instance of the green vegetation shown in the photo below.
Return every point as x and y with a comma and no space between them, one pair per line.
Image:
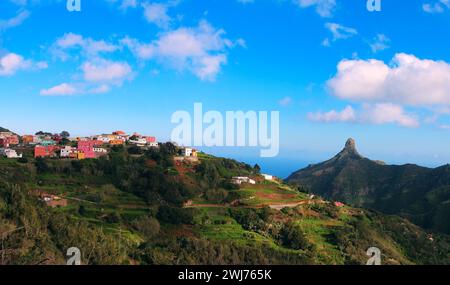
130,208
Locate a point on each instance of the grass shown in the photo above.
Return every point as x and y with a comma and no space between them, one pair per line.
317,230
266,194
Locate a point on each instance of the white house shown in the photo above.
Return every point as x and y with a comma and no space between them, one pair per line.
100,150
66,151
103,139
138,141
187,151
152,144
267,177
10,153
242,179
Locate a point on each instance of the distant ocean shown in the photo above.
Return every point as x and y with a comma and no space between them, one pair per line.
280,166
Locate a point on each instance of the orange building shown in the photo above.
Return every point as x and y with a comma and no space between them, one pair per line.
26,139
116,142
97,142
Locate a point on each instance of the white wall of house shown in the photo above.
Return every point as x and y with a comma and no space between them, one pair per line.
10,153
187,151
267,177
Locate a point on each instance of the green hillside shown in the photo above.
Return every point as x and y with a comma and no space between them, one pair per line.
147,209
420,194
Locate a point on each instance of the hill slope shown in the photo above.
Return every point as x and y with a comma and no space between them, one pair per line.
128,209
420,194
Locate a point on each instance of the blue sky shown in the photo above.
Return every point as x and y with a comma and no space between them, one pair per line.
332,69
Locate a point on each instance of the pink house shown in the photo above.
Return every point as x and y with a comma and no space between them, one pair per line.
150,139
87,147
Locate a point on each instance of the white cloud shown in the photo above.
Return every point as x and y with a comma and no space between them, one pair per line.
89,47
106,71
436,7
379,43
407,80
15,21
324,8
383,113
346,115
98,74
156,13
200,50
69,89
63,89
12,62
340,32
128,4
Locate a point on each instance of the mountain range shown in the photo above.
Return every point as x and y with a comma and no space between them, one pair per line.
417,193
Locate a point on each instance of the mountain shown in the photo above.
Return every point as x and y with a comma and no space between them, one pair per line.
3,130
417,193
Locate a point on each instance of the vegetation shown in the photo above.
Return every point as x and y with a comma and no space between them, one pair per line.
144,208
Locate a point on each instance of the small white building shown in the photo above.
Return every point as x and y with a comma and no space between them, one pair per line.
100,150
187,152
66,151
267,177
242,179
138,141
9,153
152,144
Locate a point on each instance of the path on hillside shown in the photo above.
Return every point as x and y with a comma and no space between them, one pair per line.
275,206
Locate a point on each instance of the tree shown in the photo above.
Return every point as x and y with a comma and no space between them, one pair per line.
292,236
41,133
41,165
257,168
64,134
148,226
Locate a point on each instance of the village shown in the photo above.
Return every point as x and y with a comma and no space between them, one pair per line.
65,147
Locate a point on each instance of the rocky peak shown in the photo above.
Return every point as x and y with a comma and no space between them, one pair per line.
350,145
350,149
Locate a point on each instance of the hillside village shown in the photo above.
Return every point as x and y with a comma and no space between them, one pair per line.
63,146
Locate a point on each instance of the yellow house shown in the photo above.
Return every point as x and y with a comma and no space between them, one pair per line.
77,155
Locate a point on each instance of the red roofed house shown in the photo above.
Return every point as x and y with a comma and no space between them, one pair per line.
150,139
44,151
87,147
